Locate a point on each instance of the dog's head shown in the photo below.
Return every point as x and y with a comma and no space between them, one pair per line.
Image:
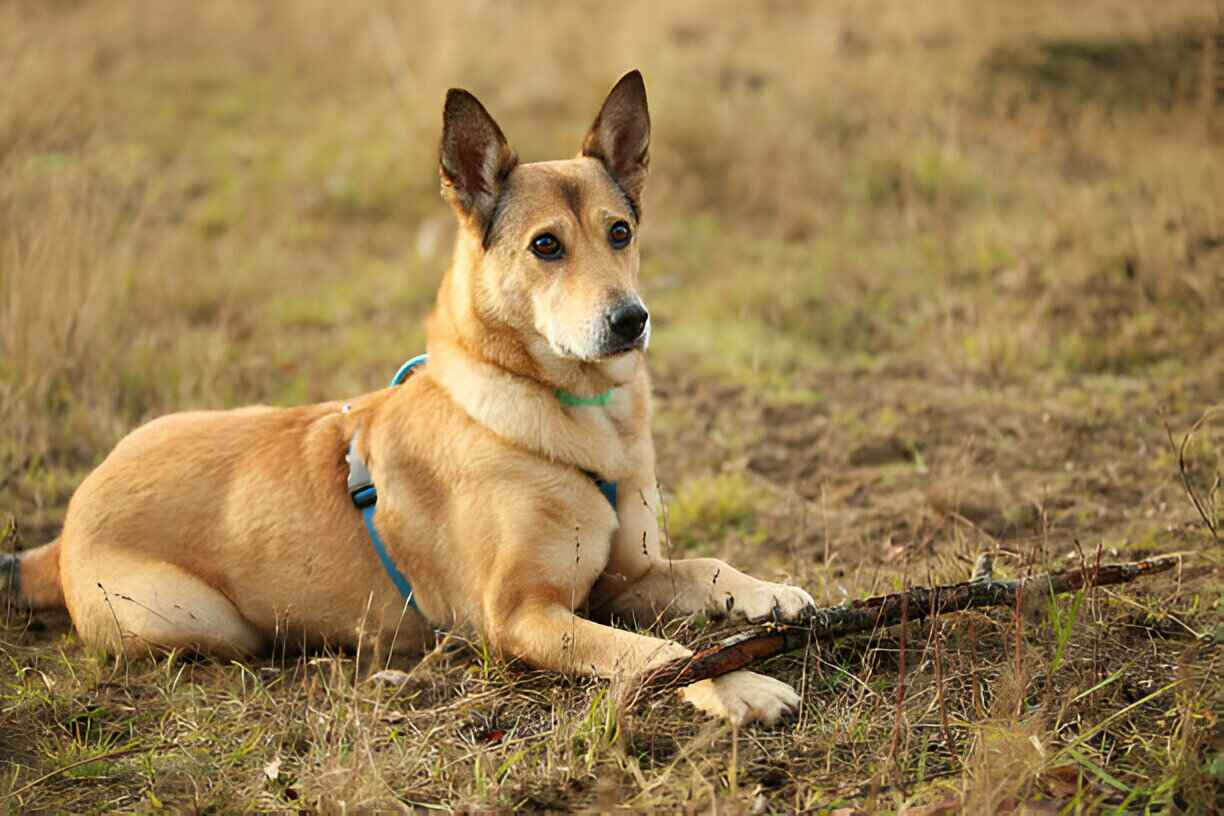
549,250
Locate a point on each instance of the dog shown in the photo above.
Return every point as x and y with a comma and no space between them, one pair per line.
514,472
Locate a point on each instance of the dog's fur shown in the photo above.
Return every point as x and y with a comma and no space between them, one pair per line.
227,532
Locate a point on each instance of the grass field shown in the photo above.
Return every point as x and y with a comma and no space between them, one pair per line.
928,280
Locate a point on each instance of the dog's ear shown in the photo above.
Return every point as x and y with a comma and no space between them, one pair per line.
620,137
474,158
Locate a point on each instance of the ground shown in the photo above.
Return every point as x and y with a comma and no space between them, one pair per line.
928,280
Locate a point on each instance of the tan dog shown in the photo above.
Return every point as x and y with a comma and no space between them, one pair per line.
226,532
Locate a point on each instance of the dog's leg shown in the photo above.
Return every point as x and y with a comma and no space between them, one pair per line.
123,603
551,636
641,584
528,600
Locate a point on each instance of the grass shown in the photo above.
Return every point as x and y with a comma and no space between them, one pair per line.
922,286
711,509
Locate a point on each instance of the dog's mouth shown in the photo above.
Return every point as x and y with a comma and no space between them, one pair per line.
622,348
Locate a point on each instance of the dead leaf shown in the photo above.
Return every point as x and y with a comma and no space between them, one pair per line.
272,769
493,737
1063,781
390,677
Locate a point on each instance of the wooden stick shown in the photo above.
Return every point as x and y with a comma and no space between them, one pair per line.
869,614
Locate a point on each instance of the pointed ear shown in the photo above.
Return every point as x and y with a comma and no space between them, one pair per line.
620,137
474,158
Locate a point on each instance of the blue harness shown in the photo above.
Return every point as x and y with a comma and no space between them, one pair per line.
365,495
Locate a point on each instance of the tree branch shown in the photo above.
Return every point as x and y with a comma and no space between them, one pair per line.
867,615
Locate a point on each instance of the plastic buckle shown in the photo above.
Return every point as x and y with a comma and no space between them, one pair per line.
360,482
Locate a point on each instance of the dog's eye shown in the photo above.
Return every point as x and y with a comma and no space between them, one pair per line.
619,235
546,246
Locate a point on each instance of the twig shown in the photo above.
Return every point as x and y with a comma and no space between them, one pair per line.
900,701
765,641
122,654
1185,476
937,636
1017,614
978,707
10,544
11,536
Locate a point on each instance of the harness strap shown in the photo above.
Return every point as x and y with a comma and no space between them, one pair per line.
407,367
365,495
397,577
608,489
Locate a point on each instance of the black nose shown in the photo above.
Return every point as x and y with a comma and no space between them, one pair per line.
627,321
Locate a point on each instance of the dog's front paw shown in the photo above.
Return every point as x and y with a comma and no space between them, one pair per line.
743,697
766,601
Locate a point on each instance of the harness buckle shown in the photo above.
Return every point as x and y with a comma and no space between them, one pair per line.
360,482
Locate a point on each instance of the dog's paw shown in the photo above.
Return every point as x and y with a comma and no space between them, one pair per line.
743,697
766,601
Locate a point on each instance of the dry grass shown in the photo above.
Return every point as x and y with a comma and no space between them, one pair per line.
928,279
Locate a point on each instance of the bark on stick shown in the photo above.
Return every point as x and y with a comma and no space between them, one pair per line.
867,615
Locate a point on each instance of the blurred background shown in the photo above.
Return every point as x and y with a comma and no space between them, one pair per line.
927,277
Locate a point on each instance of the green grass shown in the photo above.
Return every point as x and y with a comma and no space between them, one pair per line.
708,509
922,287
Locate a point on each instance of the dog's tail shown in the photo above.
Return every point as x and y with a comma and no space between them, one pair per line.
32,578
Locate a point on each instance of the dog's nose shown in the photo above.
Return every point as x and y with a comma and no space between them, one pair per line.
627,321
